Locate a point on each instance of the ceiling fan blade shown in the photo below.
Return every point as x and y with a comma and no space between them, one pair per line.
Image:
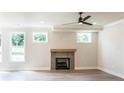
87,17
69,23
87,23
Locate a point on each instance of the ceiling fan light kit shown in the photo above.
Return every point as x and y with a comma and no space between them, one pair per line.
83,20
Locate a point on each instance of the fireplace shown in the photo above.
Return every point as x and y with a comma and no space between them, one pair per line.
62,63
62,59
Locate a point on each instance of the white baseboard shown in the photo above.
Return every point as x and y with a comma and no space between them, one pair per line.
25,68
83,68
111,72
41,68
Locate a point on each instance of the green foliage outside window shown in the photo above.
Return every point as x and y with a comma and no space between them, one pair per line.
18,39
40,37
84,38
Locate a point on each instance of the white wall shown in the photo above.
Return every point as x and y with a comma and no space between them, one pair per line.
111,49
38,54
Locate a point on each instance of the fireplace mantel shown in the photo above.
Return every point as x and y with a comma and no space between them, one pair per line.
63,50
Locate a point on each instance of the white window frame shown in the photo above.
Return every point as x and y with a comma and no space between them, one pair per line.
34,41
79,34
1,47
11,46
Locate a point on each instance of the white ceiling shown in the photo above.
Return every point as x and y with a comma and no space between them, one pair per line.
40,19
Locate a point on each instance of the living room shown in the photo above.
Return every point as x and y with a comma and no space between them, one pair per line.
61,46
57,41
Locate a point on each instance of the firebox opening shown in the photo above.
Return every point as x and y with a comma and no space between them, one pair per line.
62,63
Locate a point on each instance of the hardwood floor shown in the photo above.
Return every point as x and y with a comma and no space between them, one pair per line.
60,75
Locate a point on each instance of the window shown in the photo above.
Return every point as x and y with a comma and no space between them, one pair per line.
0,47
84,38
18,47
40,37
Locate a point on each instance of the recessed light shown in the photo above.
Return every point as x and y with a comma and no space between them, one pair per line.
94,23
80,23
42,22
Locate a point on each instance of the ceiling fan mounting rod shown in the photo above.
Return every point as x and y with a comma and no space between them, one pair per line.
80,13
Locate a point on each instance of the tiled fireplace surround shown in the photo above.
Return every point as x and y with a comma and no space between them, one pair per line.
61,54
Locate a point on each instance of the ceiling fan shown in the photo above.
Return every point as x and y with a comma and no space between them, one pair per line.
81,20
